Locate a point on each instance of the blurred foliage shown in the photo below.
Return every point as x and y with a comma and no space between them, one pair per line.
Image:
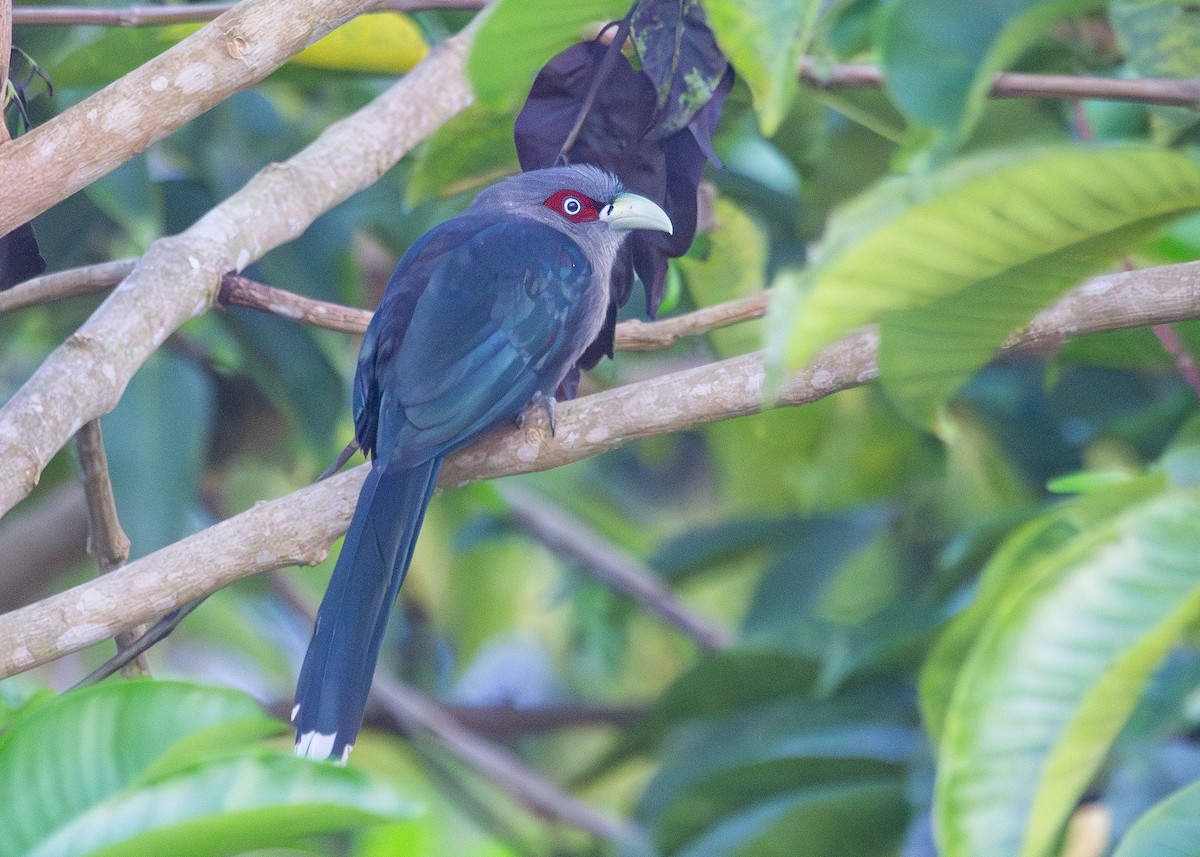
965,599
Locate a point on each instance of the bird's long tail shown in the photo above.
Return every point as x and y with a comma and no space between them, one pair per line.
336,677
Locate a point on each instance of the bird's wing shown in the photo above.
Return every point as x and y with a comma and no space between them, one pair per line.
502,317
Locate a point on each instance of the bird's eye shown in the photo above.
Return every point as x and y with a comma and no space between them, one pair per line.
574,206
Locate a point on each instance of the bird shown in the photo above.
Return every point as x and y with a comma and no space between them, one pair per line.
485,316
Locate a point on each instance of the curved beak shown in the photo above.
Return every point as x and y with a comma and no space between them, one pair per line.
630,211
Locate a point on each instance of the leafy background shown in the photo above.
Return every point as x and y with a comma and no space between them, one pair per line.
962,600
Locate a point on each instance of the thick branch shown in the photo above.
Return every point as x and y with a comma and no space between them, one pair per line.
297,529
179,275
1177,92
88,140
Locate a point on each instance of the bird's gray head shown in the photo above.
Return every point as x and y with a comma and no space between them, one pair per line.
584,201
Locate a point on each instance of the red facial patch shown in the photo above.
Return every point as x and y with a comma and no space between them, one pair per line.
573,205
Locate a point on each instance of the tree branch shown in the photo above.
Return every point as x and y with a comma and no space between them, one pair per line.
93,137
88,280
179,275
611,565
1177,92
297,529
107,541
195,13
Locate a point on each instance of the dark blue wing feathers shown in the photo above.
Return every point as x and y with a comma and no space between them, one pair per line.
491,328
480,315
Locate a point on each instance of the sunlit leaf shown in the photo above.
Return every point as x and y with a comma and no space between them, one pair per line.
953,261
519,36
375,43
1055,671
764,40
149,767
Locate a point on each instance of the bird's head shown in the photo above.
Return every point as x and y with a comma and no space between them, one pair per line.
582,200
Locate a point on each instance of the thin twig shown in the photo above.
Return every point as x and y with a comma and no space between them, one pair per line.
107,541
1182,92
416,712
86,280
1185,363
237,290
611,565
196,13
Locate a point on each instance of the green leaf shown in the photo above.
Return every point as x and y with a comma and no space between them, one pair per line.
1170,829
866,819
152,767
952,261
764,40
938,57
733,789
1160,38
1023,557
519,36
1056,670
225,808
473,149
734,267
156,440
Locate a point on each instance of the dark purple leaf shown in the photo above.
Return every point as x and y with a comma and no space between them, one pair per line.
681,57
613,135
19,257
704,123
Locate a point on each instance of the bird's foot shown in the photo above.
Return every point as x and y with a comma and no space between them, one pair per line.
540,401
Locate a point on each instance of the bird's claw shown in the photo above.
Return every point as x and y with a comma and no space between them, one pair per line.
544,402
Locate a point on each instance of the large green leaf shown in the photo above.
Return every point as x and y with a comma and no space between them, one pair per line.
1025,556
1170,829
764,40
519,36
226,807
938,57
1056,670
153,767
952,261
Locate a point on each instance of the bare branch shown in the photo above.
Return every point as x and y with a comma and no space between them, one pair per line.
297,529
88,280
107,541
88,140
237,290
195,13
611,565
179,275
636,335
1178,92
